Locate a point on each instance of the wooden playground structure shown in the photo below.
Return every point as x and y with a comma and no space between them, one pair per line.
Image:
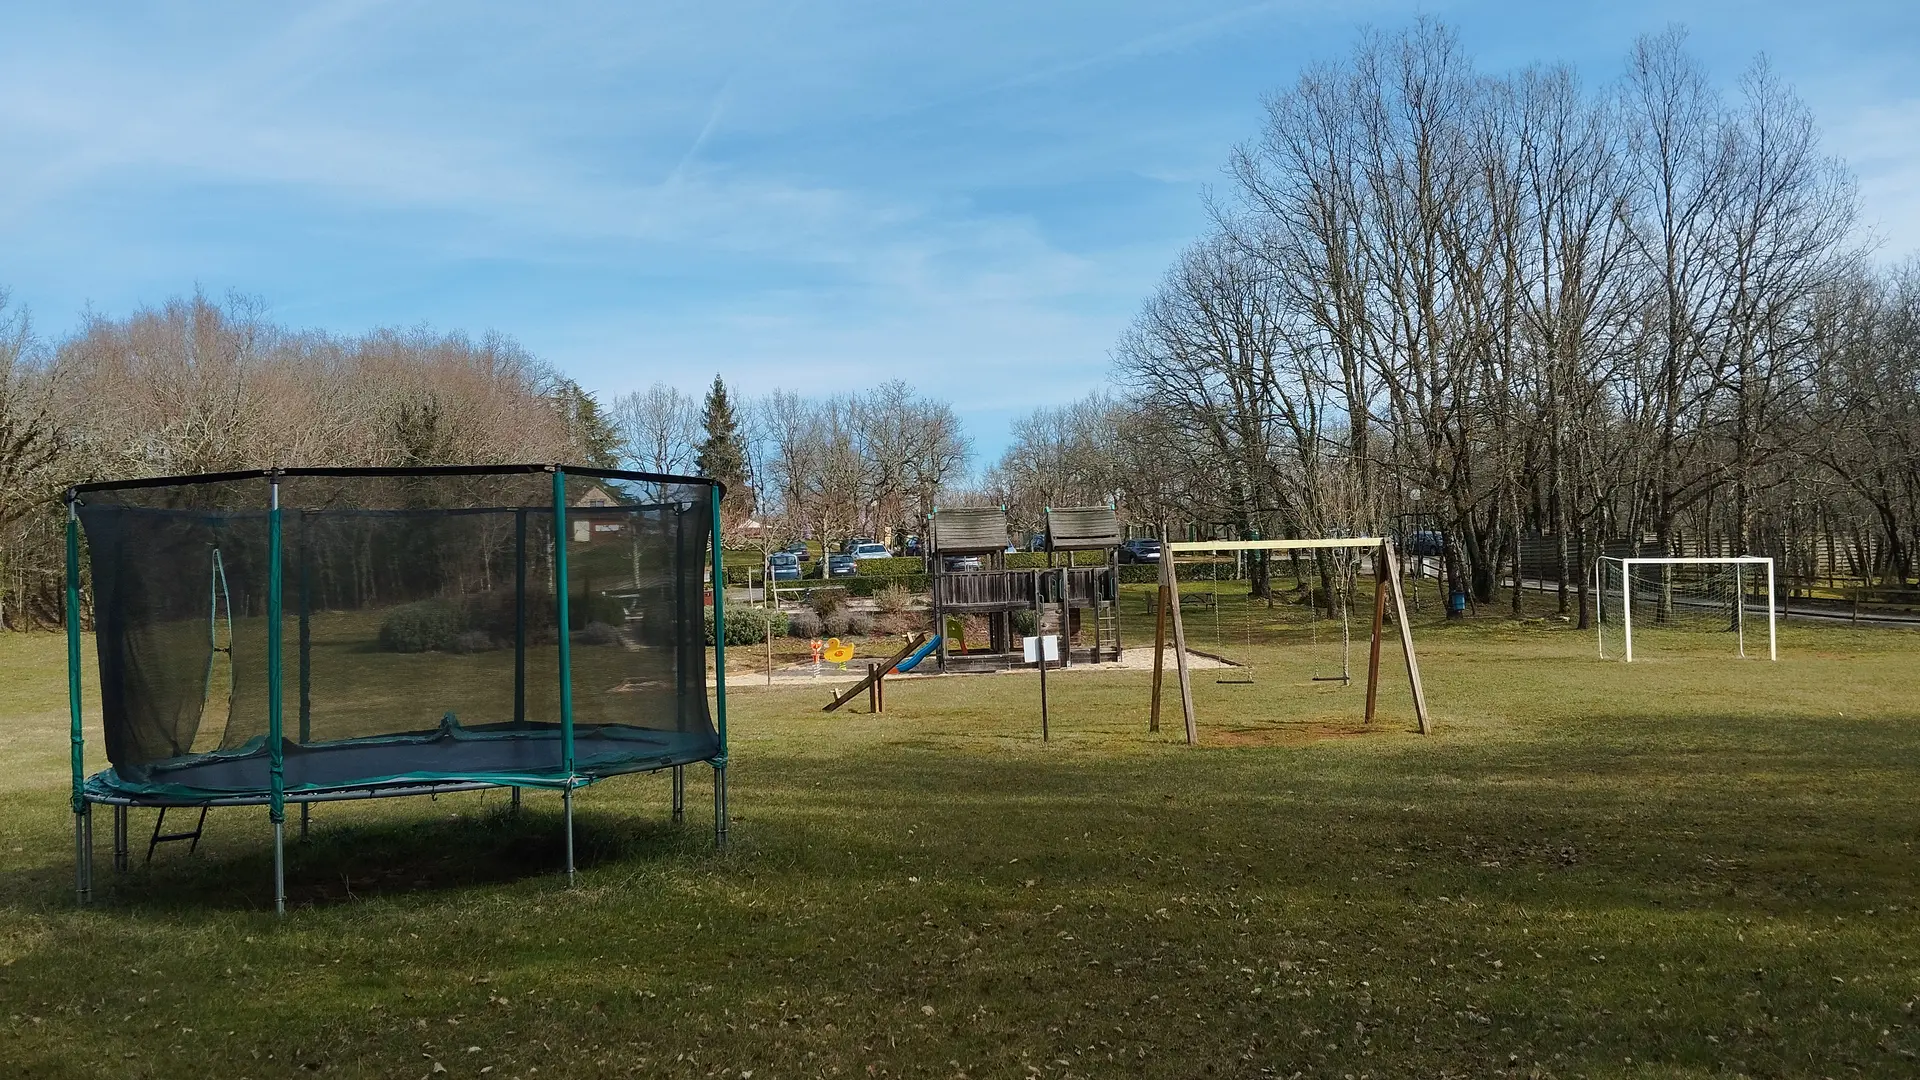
1077,602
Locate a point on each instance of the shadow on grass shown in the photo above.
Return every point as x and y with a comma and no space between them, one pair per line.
357,861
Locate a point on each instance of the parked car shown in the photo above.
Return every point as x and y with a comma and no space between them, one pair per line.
911,547
1143,549
872,550
797,549
848,547
841,565
784,566
1037,541
1427,542
961,562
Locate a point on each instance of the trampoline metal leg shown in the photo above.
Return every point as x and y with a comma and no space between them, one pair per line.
83,855
122,857
279,868
566,802
679,794
720,807
306,811
516,800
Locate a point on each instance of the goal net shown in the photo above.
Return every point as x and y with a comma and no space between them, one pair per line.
1684,607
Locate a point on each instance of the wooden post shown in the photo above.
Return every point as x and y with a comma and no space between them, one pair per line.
1170,576
1159,651
873,688
1406,641
1379,618
1040,646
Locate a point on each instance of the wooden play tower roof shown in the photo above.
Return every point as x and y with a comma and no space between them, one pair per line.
969,530
1082,528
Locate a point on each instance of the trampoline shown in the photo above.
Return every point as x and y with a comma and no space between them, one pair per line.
299,636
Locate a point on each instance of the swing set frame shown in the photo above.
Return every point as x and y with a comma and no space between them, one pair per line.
1386,586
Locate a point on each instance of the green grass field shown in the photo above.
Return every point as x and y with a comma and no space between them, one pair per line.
1688,867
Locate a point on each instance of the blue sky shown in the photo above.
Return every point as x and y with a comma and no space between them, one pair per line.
818,195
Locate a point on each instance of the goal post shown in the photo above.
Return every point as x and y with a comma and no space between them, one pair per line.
1702,603
1386,577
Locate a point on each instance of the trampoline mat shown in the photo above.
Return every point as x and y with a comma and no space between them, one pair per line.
528,758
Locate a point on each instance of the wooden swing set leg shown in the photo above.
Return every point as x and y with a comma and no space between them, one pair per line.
1159,655
1379,621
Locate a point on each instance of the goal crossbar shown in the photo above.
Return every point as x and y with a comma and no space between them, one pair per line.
1690,560
1386,578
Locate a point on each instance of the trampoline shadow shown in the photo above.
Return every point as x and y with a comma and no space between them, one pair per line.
359,861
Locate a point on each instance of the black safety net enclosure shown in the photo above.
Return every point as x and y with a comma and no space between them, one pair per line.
302,635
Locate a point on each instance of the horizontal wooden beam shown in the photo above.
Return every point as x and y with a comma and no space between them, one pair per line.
1186,547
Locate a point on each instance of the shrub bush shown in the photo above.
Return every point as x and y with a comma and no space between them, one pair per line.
494,613
592,607
804,624
748,625
901,623
598,633
1023,622
847,623
421,626
895,599
473,641
827,599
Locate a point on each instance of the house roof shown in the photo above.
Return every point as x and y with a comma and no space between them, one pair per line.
1080,528
969,530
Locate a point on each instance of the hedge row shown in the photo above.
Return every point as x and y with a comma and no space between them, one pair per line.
1037,560
894,567
1149,573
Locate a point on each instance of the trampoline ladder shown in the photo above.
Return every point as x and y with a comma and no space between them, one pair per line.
159,837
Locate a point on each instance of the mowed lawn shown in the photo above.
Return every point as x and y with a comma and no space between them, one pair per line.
1685,867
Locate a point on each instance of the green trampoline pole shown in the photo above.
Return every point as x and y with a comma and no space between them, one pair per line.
306,657
82,847
519,618
276,725
561,588
719,675
519,627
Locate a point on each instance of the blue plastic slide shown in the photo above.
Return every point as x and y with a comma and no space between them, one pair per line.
918,655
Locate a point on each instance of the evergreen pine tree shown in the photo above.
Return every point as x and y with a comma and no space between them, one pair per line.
589,433
720,454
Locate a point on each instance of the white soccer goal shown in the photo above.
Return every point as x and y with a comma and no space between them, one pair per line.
1683,605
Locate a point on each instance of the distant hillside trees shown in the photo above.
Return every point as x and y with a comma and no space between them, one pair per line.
199,385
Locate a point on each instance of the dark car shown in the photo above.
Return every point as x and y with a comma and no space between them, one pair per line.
797,549
1427,542
783,566
911,548
841,566
1141,550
